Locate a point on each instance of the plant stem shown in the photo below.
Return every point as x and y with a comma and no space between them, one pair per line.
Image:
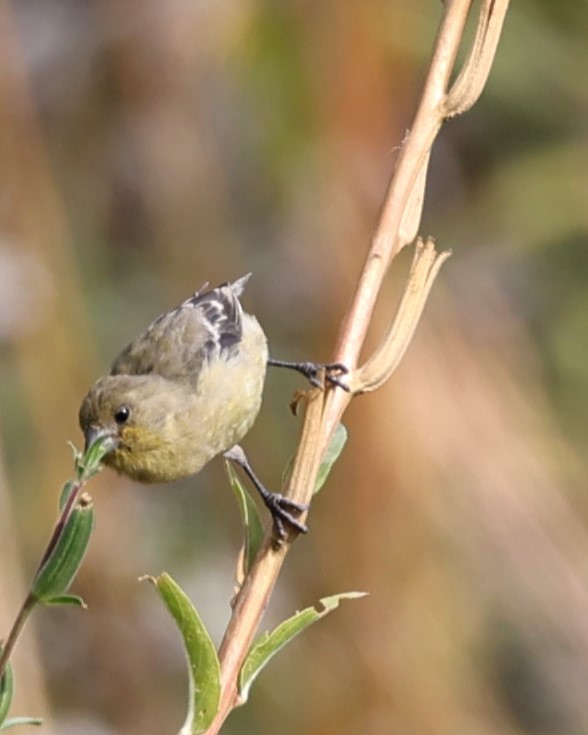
16,630
30,601
398,226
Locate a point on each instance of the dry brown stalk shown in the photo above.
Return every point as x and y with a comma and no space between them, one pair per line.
398,227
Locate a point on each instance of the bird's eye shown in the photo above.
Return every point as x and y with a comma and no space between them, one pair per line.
122,415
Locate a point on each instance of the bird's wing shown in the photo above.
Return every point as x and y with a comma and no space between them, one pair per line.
206,326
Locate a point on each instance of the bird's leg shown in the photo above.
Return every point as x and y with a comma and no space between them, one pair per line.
279,506
310,370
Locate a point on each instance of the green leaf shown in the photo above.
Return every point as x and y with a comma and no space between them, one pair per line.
77,455
252,524
59,569
15,721
66,491
331,456
269,644
6,691
72,600
91,463
203,664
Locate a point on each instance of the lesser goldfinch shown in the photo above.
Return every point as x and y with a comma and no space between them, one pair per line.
187,389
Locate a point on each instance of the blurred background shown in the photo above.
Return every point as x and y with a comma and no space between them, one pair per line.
146,148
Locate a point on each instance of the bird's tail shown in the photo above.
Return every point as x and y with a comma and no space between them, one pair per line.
239,286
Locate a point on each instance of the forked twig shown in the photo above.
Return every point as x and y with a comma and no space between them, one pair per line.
385,358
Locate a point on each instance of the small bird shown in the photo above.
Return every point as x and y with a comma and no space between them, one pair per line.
188,389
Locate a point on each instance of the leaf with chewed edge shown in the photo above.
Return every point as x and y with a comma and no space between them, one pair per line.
270,643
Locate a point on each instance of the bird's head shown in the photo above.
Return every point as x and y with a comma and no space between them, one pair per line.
131,410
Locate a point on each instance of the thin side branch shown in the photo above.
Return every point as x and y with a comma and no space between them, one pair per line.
385,359
254,595
473,77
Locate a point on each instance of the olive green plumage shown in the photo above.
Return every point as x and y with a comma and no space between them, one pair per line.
188,388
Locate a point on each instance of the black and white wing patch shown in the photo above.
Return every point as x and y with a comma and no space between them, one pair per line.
205,327
222,317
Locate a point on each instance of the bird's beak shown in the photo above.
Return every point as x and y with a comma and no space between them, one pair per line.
94,432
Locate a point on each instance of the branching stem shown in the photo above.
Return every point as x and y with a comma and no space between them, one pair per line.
398,227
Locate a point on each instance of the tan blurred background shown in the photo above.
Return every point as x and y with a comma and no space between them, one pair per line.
146,148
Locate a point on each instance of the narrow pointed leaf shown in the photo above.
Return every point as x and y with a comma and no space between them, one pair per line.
331,456
88,464
55,576
203,664
72,600
270,643
6,691
66,491
252,525
76,454
16,721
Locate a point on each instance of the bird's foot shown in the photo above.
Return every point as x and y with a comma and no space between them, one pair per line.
311,370
283,510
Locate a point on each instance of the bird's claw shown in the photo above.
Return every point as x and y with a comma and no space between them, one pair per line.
335,379
311,371
333,372
282,510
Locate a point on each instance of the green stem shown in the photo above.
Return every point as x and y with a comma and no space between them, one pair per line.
16,630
